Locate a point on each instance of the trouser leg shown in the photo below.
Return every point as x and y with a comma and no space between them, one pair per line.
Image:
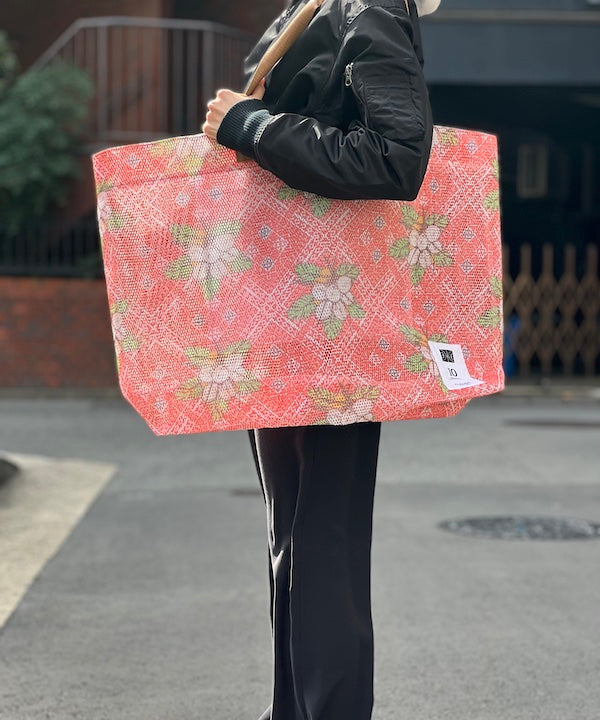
318,485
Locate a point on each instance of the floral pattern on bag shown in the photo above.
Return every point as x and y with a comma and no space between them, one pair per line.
108,219
492,317
345,406
444,136
221,376
123,339
182,153
492,199
422,360
319,205
210,255
422,248
330,300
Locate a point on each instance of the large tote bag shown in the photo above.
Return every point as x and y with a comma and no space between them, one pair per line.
238,302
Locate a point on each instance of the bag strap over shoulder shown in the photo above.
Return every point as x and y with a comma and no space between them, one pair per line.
284,41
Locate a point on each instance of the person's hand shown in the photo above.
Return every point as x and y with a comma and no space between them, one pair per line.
222,103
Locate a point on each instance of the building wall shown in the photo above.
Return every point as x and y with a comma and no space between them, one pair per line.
32,28
55,332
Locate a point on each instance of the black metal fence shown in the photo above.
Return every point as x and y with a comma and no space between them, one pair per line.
53,248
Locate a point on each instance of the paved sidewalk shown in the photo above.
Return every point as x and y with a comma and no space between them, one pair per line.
155,607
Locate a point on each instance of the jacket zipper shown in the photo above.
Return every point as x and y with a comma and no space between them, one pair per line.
348,74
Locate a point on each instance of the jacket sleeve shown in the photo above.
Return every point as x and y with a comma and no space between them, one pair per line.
382,154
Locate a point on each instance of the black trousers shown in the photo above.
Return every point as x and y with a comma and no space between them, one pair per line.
318,484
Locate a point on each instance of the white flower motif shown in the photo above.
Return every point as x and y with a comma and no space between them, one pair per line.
211,258
104,209
220,378
426,353
423,246
118,327
359,411
333,298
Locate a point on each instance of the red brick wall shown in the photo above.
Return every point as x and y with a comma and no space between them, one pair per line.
55,332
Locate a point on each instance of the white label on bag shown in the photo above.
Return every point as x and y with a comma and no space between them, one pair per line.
451,364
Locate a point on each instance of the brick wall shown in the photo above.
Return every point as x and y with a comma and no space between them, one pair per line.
55,332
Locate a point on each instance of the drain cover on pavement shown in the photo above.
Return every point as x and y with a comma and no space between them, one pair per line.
521,527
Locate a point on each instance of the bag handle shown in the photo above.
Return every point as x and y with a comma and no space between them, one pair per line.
283,42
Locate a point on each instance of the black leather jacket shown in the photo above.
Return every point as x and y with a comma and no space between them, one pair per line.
346,111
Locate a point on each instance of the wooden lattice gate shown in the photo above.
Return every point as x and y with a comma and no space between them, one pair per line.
552,318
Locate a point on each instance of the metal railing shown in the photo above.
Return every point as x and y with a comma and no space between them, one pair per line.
153,77
54,248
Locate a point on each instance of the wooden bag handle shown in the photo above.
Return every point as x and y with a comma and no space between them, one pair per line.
283,42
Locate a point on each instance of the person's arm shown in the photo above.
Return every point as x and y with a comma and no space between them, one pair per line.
384,155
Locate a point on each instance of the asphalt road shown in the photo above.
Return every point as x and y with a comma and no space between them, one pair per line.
152,601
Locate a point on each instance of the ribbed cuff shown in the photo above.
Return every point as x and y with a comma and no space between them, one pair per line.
243,125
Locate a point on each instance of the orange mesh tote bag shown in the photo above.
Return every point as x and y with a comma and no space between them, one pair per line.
238,302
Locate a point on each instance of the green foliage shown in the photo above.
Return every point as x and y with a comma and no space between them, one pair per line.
42,123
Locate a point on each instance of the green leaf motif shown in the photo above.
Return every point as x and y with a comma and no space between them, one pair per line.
332,327
210,287
323,421
400,248
190,389
442,385
321,397
104,185
119,306
308,273
248,385
162,147
440,221
241,263
179,269
193,164
416,363
197,355
287,193
438,337
366,393
496,285
416,274
492,201
355,310
303,307
496,168
225,227
115,222
410,216
243,346
218,409
184,234
411,334
320,206
348,270
129,343
491,318
442,259
449,137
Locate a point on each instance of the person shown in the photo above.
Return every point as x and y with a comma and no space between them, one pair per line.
344,114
